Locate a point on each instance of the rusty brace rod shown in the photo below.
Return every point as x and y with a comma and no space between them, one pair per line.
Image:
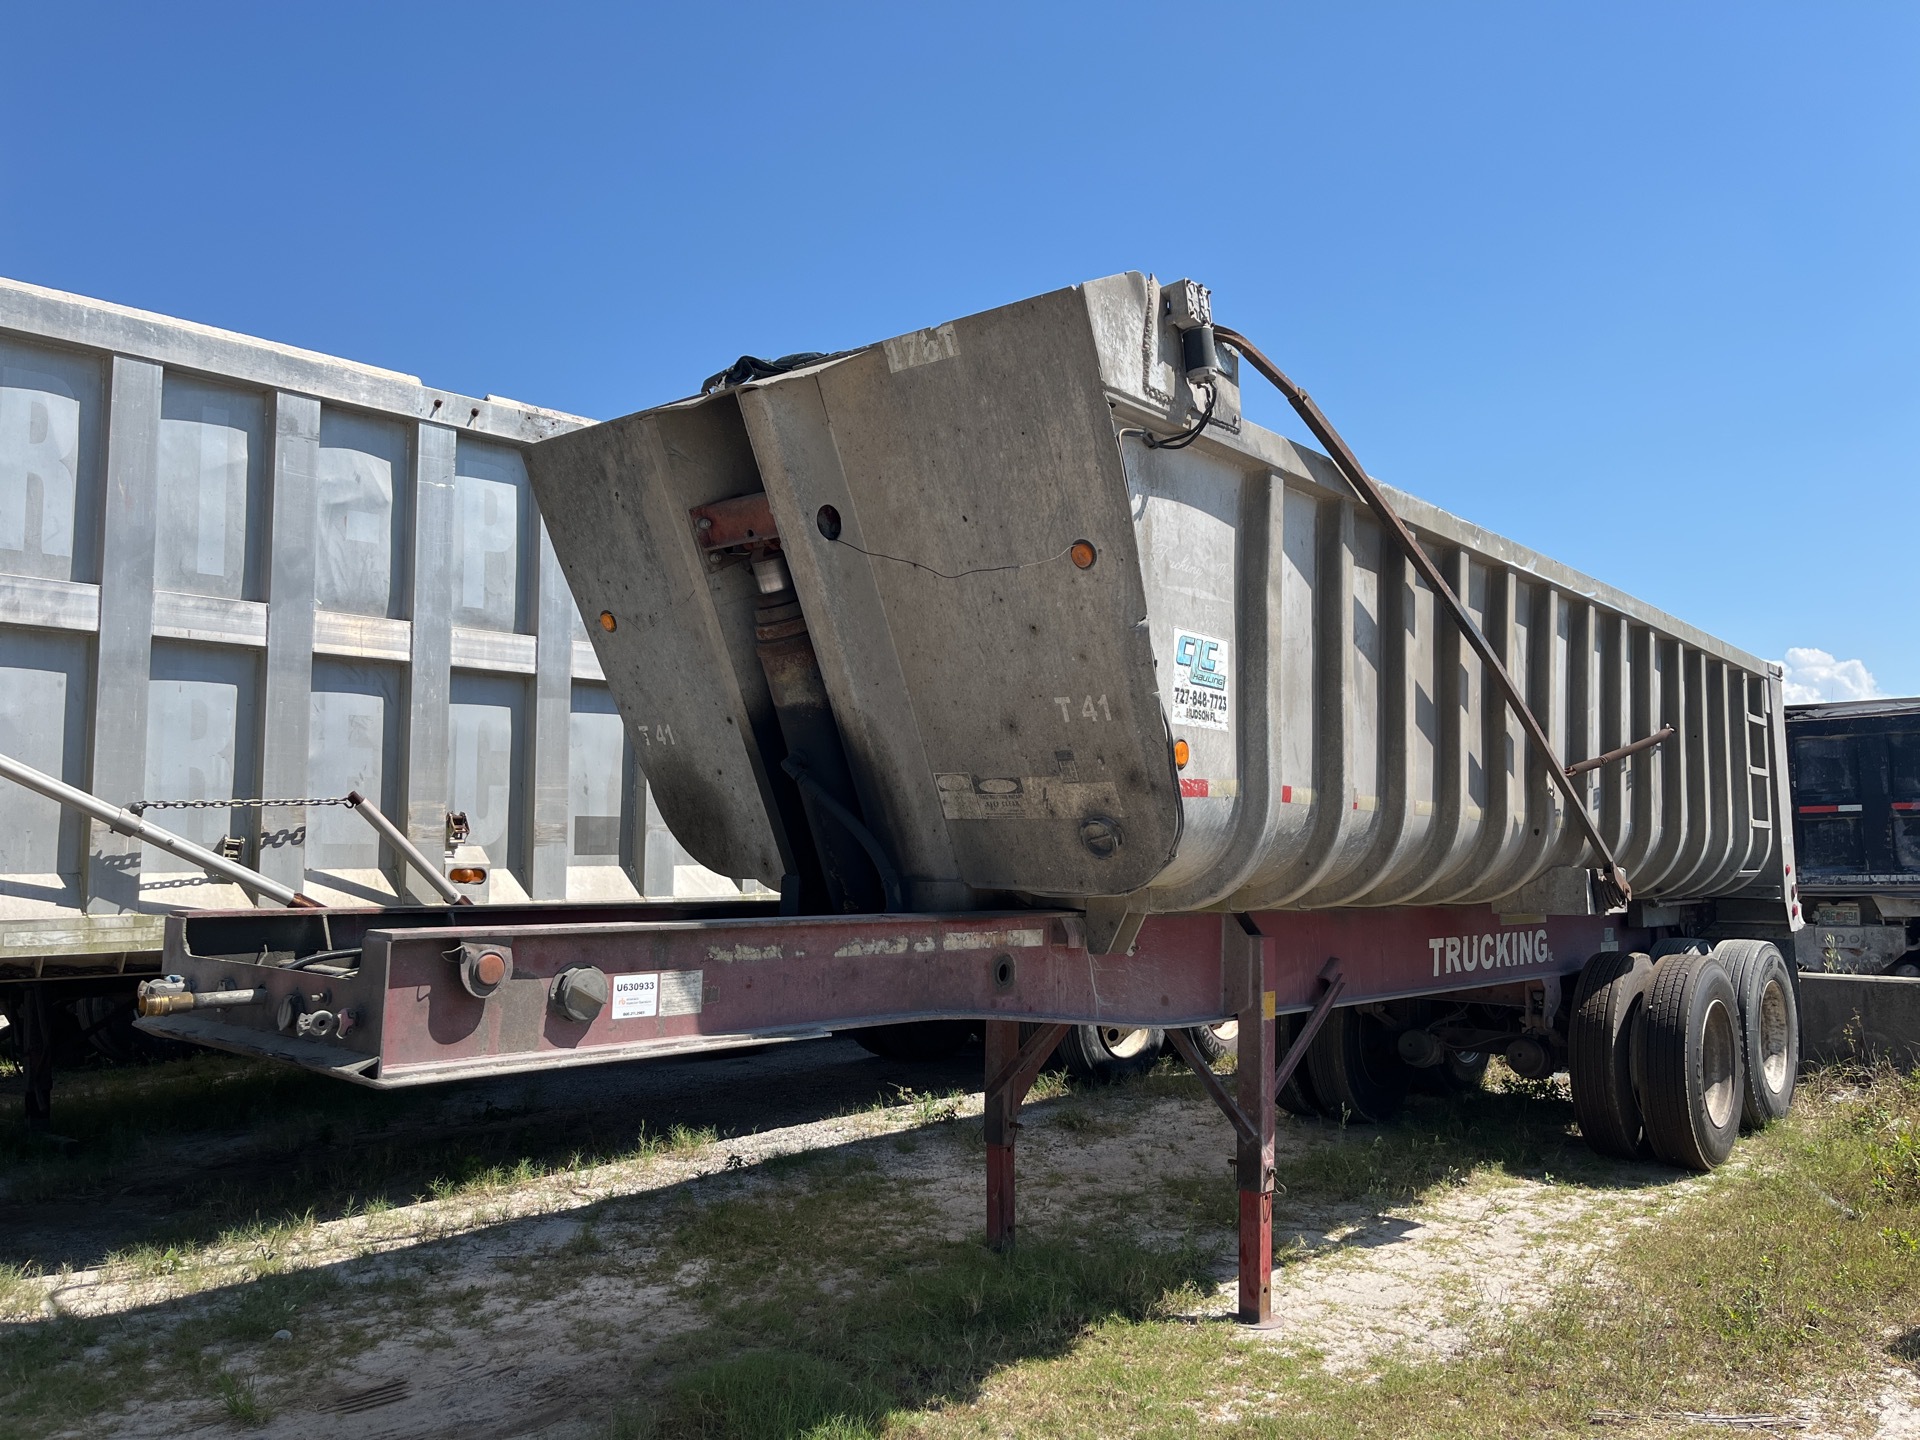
408,852
1243,1125
125,822
1658,737
1612,877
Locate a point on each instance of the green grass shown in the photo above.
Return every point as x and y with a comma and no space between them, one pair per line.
19,1294
1794,1273
929,1336
240,1399
65,1372
831,1304
1784,1277
311,1155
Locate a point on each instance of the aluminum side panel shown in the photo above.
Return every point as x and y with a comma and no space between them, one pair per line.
1355,752
973,457
336,549
680,659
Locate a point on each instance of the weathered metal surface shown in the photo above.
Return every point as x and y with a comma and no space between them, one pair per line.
1009,713
1610,883
229,568
1013,1065
126,822
1860,1017
1856,796
704,976
1856,818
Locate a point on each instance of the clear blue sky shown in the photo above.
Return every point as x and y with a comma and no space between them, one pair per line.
1638,285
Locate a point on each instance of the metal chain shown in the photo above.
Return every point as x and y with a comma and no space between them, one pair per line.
141,805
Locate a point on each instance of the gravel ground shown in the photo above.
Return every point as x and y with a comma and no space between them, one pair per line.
538,1301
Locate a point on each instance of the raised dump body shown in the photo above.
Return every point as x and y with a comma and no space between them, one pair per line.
1070,662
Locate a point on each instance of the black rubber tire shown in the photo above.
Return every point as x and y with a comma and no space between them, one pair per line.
1769,1027
1106,1053
1679,945
1606,1006
1693,1080
1357,1070
1465,1070
1296,1097
920,1040
1215,1040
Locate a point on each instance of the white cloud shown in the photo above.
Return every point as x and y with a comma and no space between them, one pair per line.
1814,677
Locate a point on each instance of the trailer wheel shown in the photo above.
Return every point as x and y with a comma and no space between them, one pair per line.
1460,1073
1694,1072
1464,1070
1106,1053
1356,1067
1298,1097
1679,945
1769,1027
1213,1041
919,1040
1606,1006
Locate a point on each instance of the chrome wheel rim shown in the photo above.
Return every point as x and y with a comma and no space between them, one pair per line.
1121,1043
1717,1065
1774,1035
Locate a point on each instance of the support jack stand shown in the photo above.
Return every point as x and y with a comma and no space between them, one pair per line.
1011,1071
1252,1112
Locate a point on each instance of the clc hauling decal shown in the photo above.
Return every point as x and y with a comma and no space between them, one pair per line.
1455,954
1201,681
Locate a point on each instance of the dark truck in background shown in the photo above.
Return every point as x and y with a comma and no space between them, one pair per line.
1855,772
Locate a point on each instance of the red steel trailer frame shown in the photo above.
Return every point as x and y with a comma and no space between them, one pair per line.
403,997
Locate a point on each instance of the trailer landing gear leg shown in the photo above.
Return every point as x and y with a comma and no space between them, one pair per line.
1259,1079
1011,1070
36,1055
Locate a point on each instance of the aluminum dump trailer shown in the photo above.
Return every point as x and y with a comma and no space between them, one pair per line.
232,570
1012,714
1055,697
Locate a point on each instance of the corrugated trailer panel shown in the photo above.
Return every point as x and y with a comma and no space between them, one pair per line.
229,570
1011,713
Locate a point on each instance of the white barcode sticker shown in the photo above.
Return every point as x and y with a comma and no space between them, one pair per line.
636,997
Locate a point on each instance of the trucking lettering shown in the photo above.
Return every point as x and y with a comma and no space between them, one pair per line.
1489,952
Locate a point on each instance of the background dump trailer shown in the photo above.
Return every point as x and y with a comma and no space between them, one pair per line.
1049,692
232,570
1856,820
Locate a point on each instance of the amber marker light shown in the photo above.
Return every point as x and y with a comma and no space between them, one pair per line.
490,968
467,875
1083,554
1180,754
607,622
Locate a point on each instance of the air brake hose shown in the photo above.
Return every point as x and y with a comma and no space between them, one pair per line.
1611,885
